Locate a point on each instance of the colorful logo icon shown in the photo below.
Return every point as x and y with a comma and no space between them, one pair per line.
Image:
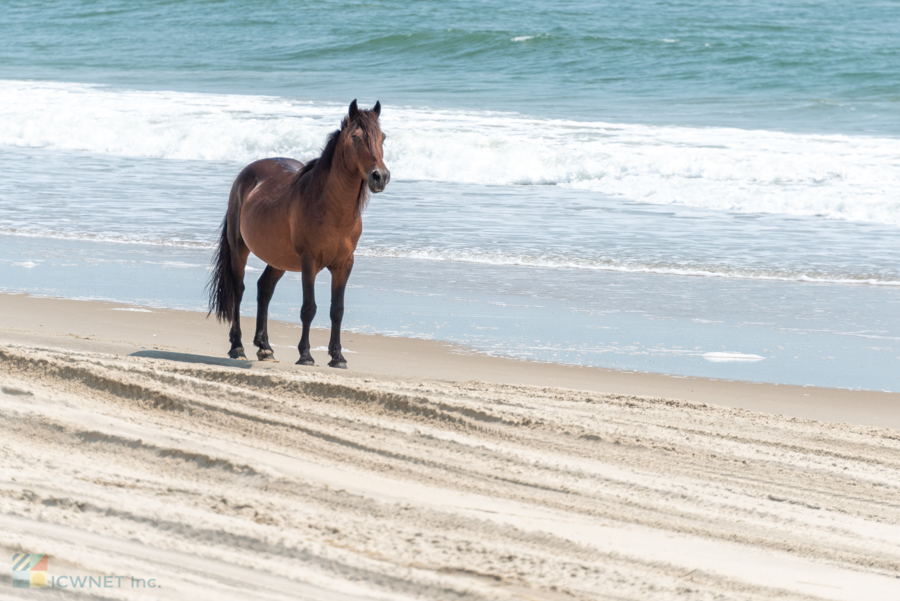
30,570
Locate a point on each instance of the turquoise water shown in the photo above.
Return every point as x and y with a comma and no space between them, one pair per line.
701,189
801,66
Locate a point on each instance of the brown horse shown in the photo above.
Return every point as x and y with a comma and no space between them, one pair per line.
298,217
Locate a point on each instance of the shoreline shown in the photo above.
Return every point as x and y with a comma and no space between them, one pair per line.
826,335
187,336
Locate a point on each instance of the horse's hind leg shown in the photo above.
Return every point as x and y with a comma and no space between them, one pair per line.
265,287
238,263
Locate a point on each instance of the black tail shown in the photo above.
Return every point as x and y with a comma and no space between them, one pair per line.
221,287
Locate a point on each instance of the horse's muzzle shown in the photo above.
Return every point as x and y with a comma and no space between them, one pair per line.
378,179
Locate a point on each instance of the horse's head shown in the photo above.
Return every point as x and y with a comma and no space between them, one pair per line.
364,147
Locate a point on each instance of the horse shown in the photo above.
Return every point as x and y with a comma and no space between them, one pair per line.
298,217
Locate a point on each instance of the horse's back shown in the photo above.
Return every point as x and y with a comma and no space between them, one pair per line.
291,165
274,168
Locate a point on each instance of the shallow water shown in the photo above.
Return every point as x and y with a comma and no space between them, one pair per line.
80,196
766,331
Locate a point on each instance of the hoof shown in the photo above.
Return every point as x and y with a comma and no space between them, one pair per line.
237,353
338,364
265,355
306,361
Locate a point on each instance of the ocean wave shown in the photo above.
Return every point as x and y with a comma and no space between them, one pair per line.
854,178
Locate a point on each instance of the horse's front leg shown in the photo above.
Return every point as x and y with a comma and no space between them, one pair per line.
307,312
339,277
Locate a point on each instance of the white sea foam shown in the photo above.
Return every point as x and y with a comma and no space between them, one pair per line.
854,178
732,357
500,258
134,238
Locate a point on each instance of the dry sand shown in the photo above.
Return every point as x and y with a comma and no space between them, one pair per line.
130,447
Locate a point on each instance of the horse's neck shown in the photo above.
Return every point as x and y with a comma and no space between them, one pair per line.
341,191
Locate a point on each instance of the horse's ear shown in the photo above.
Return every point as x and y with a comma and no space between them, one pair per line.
377,108
354,110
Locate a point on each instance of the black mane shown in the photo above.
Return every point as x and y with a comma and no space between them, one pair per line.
325,159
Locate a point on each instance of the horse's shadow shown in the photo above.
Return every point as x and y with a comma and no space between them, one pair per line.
189,358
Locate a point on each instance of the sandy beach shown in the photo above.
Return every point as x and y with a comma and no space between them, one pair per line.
133,448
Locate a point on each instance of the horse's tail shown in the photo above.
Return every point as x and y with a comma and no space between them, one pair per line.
223,286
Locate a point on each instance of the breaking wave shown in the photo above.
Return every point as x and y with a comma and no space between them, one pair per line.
854,178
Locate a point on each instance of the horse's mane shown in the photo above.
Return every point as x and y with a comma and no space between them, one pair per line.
365,120
325,159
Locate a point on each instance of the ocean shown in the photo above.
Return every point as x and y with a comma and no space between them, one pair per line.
699,189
